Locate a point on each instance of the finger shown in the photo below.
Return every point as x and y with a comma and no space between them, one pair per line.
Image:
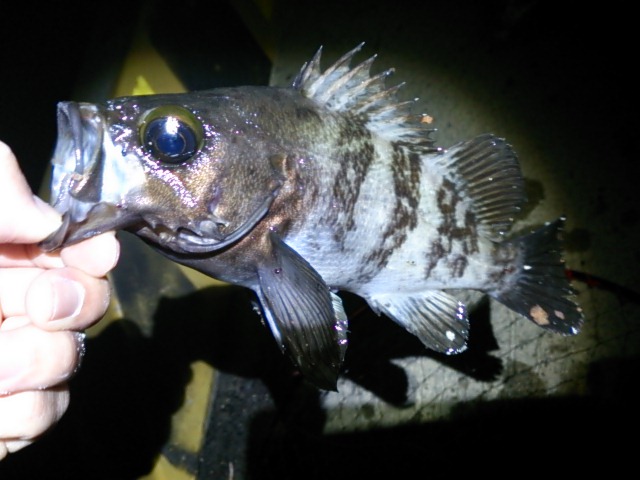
27,415
10,446
33,359
29,219
27,255
14,285
57,299
66,299
95,256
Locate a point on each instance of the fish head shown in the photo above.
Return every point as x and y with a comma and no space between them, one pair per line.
178,170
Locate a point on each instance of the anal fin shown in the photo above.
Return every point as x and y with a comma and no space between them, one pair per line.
435,317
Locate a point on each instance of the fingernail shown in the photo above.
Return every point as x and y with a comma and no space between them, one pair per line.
68,298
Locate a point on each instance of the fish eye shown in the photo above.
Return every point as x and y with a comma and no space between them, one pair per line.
171,134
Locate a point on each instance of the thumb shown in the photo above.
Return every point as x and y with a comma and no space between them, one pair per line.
24,218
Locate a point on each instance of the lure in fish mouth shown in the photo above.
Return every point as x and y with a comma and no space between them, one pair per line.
298,192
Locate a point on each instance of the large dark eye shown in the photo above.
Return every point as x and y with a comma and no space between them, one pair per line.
171,134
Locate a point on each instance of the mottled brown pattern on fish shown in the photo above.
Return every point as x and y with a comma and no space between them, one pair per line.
470,244
458,265
355,153
448,200
505,258
433,256
406,170
406,182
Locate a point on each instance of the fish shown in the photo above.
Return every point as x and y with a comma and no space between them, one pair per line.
332,183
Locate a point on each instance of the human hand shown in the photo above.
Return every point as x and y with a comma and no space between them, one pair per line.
46,301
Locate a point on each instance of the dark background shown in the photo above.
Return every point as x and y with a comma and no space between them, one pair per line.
577,65
587,54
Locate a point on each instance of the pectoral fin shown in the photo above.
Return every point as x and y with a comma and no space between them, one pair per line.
307,320
435,317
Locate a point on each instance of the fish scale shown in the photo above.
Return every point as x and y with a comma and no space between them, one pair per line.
299,192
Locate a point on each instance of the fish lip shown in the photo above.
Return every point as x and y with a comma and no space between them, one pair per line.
102,217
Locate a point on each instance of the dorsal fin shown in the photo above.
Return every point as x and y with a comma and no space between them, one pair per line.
486,170
343,88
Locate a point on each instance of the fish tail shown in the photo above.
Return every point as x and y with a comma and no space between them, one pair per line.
538,287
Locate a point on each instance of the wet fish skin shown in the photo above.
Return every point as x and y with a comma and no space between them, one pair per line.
298,192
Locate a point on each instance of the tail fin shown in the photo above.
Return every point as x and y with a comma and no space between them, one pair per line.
540,289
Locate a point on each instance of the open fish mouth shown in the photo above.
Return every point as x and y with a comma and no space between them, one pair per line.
77,177
76,158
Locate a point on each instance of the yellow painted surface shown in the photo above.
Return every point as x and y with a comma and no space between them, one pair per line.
145,72
164,470
188,423
142,86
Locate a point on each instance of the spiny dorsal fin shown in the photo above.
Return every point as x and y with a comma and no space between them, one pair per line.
343,88
486,170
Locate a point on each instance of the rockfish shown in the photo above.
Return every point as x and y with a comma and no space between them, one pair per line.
298,192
